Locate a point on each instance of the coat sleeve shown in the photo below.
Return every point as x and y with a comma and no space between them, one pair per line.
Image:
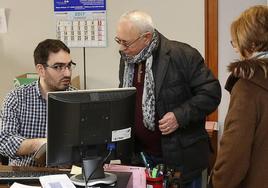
203,87
235,147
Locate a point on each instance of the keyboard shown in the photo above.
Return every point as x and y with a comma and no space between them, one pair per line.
26,176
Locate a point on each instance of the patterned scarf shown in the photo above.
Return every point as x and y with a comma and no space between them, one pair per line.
148,98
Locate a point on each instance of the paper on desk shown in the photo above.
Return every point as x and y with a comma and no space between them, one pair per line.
56,181
137,179
212,125
76,170
19,185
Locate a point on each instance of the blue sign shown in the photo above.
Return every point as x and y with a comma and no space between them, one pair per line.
79,5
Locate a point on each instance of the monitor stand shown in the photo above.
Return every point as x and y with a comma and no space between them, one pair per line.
109,179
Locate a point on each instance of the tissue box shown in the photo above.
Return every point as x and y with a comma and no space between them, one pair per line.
25,79
30,77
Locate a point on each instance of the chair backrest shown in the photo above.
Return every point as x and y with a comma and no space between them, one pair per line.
3,160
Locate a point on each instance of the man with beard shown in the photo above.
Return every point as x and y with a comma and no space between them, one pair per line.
23,128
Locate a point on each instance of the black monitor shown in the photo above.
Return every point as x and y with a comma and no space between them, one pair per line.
83,123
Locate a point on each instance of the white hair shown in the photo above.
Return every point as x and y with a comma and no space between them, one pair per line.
141,20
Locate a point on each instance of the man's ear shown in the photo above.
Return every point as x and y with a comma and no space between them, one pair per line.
40,69
148,37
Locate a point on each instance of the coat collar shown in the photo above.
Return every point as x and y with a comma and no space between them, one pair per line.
254,69
161,63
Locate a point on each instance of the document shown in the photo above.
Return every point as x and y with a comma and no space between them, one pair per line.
19,185
212,125
76,170
3,22
56,181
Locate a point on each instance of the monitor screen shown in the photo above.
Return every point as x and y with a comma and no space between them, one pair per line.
81,123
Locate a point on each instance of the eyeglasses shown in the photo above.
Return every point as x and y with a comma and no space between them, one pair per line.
60,67
127,44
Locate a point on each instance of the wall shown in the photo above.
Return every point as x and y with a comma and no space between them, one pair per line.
31,22
228,11
26,27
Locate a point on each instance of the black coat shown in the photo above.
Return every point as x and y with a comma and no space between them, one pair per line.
185,86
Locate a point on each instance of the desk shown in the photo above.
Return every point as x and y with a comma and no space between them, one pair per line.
212,131
122,177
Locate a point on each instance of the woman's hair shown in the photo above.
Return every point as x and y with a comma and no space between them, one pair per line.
141,20
250,30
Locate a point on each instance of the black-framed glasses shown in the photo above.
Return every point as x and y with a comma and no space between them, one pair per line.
60,67
127,44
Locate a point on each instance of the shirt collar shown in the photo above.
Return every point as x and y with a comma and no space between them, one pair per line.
37,88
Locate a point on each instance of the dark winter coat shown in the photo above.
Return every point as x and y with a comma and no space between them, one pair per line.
185,86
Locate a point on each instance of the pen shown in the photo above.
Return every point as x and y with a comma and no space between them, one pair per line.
146,164
154,172
161,169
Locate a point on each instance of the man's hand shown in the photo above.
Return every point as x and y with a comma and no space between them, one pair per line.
30,146
168,123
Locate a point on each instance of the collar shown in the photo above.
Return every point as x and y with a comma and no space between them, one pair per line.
37,88
254,69
247,68
260,55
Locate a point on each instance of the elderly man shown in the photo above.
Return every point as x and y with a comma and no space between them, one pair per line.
175,93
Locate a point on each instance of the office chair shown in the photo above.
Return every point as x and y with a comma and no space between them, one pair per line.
3,160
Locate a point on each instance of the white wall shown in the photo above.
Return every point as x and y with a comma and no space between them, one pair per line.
32,22
177,19
28,23
228,11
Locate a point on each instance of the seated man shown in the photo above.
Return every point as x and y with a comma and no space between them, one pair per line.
23,128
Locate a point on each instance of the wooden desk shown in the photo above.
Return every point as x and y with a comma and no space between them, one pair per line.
213,135
122,177
3,160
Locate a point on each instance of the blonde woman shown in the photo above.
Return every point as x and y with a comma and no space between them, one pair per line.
243,156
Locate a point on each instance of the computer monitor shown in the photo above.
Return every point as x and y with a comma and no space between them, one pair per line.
82,123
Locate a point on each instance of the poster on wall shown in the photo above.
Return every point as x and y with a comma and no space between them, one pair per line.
81,23
3,22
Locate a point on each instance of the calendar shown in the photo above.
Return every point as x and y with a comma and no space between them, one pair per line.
81,25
